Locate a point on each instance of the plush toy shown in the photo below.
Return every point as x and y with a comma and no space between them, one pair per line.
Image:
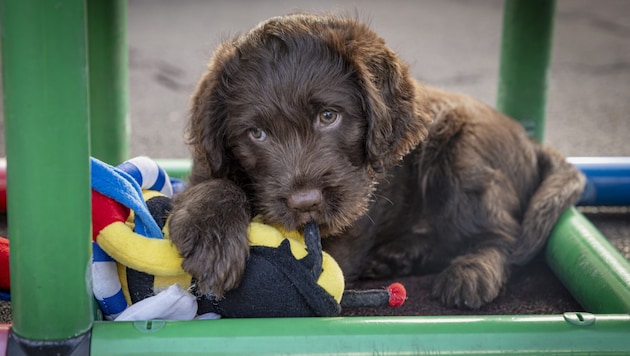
137,274
287,273
3,185
4,268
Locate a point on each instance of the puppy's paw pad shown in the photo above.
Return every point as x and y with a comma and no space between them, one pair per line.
387,263
378,269
399,257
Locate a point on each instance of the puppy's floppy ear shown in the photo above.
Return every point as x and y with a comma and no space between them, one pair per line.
207,123
397,113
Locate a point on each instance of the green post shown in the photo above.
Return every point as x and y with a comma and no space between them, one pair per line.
109,89
46,110
595,273
525,57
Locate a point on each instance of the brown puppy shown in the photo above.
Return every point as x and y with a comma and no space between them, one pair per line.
314,118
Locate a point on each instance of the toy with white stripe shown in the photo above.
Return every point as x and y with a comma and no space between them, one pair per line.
148,174
124,184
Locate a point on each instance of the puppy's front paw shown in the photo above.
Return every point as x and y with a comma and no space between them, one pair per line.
209,228
470,281
217,261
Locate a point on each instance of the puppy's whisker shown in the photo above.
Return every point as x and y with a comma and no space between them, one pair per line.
372,220
384,198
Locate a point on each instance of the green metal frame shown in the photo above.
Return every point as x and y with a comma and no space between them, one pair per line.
511,335
47,99
46,110
109,89
597,275
525,57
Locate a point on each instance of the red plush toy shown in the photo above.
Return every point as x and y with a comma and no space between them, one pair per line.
4,264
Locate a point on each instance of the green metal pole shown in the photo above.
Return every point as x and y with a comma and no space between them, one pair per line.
525,57
175,167
109,88
45,78
571,333
595,273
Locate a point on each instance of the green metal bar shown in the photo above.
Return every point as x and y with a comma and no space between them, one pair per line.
572,333
175,167
45,78
597,275
109,88
525,57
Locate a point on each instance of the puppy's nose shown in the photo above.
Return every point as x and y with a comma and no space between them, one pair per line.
305,200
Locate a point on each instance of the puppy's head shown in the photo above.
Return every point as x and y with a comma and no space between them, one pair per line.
305,112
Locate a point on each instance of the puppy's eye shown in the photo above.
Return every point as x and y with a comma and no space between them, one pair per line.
257,134
328,117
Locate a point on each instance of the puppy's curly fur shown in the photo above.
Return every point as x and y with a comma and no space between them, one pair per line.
312,117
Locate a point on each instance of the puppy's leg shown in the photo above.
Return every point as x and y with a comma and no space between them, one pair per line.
209,228
481,222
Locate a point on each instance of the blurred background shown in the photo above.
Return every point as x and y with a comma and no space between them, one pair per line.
453,44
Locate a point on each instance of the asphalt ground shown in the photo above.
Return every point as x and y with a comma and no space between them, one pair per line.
453,44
